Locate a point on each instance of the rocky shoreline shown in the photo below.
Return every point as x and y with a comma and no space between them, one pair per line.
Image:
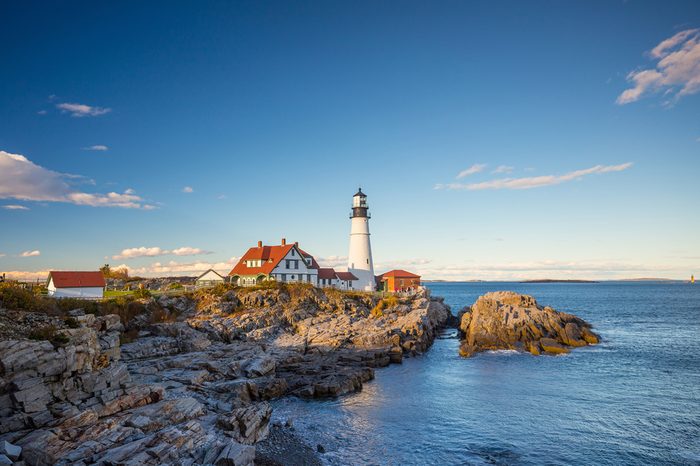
194,385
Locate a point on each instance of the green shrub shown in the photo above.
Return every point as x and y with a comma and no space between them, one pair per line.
175,286
50,334
18,298
142,293
71,322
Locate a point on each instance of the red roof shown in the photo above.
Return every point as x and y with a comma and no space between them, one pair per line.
398,273
326,273
77,279
346,276
270,257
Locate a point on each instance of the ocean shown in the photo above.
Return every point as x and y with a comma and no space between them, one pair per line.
633,399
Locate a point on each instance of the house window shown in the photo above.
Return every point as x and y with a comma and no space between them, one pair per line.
284,277
292,252
292,277
286,263
296,264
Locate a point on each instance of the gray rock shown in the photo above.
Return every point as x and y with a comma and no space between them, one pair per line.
250,424
235,454
11,451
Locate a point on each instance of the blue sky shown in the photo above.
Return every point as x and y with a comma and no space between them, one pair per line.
274,112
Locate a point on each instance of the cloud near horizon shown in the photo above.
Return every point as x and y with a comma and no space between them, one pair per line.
131,253
535,181
22,179
187,189
15,207
676,74
476,168
81,110
33,253
174,267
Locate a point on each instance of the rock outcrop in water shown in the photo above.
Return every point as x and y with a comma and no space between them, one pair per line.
194,390
508,320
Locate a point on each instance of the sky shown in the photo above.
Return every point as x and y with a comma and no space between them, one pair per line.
495,140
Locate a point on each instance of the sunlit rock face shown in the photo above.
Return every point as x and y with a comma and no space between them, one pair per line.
188,379
508,320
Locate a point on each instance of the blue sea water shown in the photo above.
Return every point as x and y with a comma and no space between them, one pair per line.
634,399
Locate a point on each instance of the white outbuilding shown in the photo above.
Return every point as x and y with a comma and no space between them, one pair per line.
84,285
209,278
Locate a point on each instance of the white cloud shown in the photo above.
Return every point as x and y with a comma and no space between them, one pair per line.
97,147
33,253
188,251
82,110
41,112
2,255
26,275
187,189
221,196
333,261
22,179
535,181
186,268
130,253
554,269
676,74
143,251
15,207
503,169
476,168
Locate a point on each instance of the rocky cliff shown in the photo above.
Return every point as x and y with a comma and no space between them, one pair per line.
508,320
193,386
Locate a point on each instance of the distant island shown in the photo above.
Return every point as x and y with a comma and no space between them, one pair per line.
549,280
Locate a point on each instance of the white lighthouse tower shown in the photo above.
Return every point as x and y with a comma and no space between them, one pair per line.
360,255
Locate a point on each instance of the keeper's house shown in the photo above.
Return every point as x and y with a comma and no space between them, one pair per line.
283,263
84,285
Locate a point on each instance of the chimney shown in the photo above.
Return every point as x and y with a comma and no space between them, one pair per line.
259,244
284,241
296,243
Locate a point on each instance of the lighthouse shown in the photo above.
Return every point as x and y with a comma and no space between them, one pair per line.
360,255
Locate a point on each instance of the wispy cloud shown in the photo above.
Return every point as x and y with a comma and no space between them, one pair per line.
154,251
82,110
535,181
333,261
503,169
676,74
185,268
476,168
15,207
33,253
22,179
26,275
187,189
188,251
97,147
42,112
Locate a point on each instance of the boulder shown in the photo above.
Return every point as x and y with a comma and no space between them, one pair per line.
13,452
507,320
248,425
235,454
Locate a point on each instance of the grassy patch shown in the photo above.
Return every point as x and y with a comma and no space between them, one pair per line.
115,293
